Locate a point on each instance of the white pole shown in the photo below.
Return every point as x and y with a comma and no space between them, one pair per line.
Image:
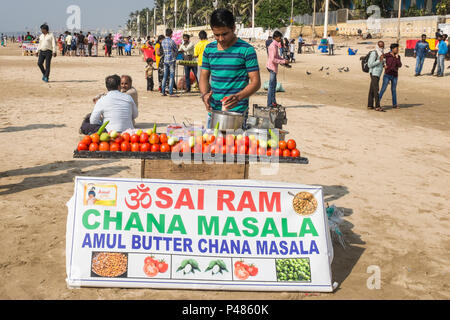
139,25
292,12
175,16
147,24
325,25
164,14
187,11
314,21
398,23
154,21
253,20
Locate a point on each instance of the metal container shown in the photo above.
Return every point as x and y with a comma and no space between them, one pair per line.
227,120
264,133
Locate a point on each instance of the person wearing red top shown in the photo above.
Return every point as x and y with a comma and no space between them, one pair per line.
393,63
273,61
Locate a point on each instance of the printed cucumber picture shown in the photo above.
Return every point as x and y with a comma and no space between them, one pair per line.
293,269
217,266
189,266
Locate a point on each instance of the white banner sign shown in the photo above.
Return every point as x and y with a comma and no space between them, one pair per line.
221,235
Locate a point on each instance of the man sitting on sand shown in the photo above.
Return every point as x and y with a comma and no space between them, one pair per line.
116,107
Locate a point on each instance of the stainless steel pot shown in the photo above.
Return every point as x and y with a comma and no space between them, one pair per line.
227,120
264,133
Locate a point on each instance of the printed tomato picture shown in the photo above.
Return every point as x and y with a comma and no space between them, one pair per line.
243,271
152,266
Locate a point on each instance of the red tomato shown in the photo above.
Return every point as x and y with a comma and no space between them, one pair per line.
135,147
278,152
114,147
252,270
125,146
165,147
286,153
229,140
155,148
247,141
253,150
220,141
241,273
291,144
95,138
150,270
104,146
295,153
150,260
82,147
282,144
176,148
213,149
224,149
206,148
261,151
135,138
143,138
254,144
145,147
269,152
126,137
198,141
87,140
233,150
242,149
198,148
119,140
154,138
238,264
162,266
163,138
185,148
93,147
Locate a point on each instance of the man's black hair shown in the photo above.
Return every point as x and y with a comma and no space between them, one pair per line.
222,18
202,35
277,34
423,35
186,36
393,46
149,60
112,82
45,27
169,32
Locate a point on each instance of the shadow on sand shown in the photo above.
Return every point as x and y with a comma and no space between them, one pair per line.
31,127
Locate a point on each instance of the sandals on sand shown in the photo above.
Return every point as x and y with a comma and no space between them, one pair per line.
379,109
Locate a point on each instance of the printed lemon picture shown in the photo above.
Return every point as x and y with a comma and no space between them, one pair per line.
100,195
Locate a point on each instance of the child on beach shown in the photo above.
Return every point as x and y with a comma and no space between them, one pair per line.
292,50
149,74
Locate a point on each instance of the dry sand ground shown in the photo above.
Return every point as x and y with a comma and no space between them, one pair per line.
390,171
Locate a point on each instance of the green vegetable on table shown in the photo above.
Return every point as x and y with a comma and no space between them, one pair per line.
102,128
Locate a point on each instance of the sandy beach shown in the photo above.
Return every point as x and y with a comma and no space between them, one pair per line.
389,171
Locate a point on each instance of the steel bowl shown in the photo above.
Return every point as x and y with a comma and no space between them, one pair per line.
227,120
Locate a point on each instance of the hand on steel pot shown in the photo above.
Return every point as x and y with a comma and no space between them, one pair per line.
230,102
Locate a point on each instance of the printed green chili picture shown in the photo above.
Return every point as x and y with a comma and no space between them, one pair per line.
293,269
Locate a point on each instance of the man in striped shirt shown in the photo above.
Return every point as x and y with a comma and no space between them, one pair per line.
232,65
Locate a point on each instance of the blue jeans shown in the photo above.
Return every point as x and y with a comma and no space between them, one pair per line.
440,62
187,73
419,63
168,68
272,89
386,79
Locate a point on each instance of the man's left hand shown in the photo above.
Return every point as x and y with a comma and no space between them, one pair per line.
231,102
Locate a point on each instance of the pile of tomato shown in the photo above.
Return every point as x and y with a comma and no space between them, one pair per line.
208,144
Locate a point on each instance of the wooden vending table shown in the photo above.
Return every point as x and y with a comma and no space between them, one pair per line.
159,165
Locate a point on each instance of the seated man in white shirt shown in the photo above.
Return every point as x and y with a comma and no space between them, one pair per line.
116,107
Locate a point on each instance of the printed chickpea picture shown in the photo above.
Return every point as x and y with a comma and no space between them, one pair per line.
109,264
100,195
304,203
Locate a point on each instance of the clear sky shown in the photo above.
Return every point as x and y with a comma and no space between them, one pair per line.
22,15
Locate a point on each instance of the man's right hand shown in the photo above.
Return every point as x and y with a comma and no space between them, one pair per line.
206,100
